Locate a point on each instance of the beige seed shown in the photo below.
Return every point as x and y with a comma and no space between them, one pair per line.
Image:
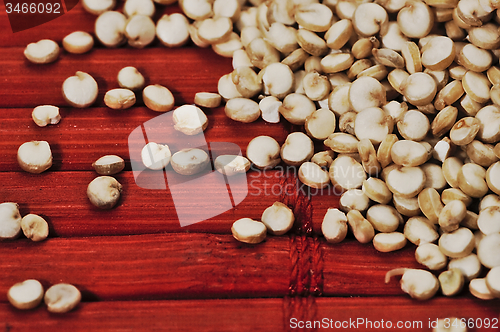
189,161
278,218
419,89
471,180
384,218
409,153
415,19
470,266
35,227
296,108
493,177
373,123
119,99
430,204
80,90
429,255
109,165
452,194
452,215
488,220
25,295
419,284
263,152
78,42
369,19
488,250
451,169
130,78
354,199
419,230
406,206
320,124
98,7
458,243
451,282
207,99
478,288
230,165
297,149
362,228
158,98
34,157
110,28
346,173
277,80
323,158
104,192
406,181
489,124
387,242
492,281
334,226
155,156
465,130
45,114
366,92
249,231
10,221
43,51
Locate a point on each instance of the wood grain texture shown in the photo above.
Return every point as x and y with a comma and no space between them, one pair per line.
273,314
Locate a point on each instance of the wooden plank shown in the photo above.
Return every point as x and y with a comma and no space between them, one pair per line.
274,314
184,71
61,198
166,266
83,136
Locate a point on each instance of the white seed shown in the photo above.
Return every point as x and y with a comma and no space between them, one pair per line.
369,19
10,221
315,17
323,158
338,100
489,128
488,220
429,255
474,58
385,149
46,114
34,227
419,230
477,86
242,110
451,194
493,177
78,42
471,180
109,165
414,125
241,59
354,199
261,53
387,242
269,108
478,288
419,284
311,42
334,226
406,181
451,169
488,250
393,38
377,190
26,295
207,99
362,228
98,7
230,165
278,218
80,90
158,98
444,120
458,243
140,31
155,156
438,53
297,149
119,99
411,55
419,89
316,86
406,206
278,80
346,173
263,152
409,153
249,231
339,34
228,46
493,281
215,30
434,176
193,33
227,8
189,161
443,150
130,78
226,88
189,119
415,19
346,122
139,7
296,108
464,131
248,17
104,192
489,200
173,30
366,92
384,218
110,28
485,36
35,156
313,175
470,266
43,51
368,157
320,124
430,204
451,282
452,215
61,298
197,9
372,123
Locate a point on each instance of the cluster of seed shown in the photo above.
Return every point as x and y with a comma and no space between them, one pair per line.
351,73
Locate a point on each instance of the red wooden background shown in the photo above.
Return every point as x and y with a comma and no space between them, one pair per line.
138,270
